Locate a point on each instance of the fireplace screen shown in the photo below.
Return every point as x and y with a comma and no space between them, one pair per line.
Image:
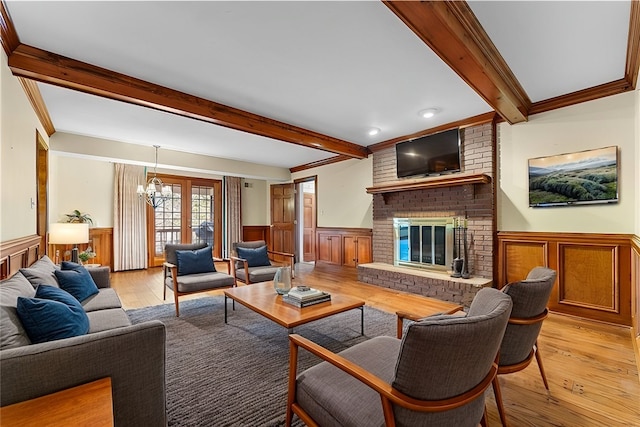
423,242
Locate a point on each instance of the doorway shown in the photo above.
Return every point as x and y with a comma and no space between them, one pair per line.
193,214
306,213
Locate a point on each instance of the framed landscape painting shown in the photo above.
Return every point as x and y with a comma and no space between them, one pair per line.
584,177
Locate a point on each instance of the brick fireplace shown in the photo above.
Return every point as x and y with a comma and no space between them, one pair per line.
469,194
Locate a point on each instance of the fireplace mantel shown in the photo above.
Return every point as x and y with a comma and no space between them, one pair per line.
432,182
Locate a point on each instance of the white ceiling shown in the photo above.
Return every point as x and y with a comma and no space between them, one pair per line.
337,68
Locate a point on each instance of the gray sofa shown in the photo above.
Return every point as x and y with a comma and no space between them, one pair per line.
133,356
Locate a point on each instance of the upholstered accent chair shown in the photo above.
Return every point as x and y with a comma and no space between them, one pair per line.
253,262
190,268
520,342
435,375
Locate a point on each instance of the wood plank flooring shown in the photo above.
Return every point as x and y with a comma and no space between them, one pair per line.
591,366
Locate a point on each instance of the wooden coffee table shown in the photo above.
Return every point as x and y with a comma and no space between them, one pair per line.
262,298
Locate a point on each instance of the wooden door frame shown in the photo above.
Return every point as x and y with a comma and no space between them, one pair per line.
187,183
42,185
299,225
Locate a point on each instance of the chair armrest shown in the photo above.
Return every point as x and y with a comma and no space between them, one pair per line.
290,259
401,315
245,264
386,391
340,362
226,261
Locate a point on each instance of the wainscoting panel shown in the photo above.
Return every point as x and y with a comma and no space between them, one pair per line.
100,240
578,262
251,233
522,256
594,270
18,253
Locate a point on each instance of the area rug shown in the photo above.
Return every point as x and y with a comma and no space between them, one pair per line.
236,374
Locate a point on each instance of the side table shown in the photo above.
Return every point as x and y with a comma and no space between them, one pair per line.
89,404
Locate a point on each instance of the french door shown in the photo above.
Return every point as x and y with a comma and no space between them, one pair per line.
193,214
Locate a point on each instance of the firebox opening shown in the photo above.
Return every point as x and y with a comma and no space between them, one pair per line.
423,242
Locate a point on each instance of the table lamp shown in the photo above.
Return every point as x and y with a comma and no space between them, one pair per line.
69,233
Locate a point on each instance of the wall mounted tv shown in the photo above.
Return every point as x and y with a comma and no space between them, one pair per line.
584,177
429,155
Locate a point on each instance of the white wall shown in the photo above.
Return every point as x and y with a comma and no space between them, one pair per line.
255,202
595,124
342,200
82,184
18,125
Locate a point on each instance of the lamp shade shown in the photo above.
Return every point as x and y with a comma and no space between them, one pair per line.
67,233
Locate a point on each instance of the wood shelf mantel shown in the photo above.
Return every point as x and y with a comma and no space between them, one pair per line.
433,182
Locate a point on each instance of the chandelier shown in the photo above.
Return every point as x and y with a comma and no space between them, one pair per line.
155,193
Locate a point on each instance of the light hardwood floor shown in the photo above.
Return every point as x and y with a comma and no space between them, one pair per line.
591,367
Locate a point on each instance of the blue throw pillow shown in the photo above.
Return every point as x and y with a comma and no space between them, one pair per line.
195,261
256,257
76,280
52,314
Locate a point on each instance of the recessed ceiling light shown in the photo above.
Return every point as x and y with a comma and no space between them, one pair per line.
428,113
373,131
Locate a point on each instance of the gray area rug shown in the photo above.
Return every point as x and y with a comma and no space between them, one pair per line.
236,374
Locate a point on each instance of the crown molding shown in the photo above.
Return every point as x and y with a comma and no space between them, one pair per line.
633,46
318,163
35,98
8,34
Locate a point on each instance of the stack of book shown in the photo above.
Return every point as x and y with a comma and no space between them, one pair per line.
303,296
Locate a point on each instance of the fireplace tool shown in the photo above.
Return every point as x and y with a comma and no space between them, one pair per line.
458,263
464,273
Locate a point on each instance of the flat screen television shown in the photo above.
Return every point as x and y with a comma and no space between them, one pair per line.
429,155
584,177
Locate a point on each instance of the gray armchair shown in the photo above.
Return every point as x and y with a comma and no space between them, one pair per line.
191,283
520,342
435,375
244,271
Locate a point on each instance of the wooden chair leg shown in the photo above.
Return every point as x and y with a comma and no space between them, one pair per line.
483,420
498,394
539,360
175,297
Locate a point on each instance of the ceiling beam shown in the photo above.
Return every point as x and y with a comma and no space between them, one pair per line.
37,64
453,32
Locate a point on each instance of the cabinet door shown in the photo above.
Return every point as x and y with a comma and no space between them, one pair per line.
356,250
364,250
350,250
329,248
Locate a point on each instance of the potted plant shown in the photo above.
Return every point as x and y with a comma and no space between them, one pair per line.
78,216
86,255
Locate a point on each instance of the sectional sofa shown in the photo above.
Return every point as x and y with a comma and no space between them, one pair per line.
133,356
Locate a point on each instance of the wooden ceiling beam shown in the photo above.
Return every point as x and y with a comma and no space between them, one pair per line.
8,34
453,32
37,64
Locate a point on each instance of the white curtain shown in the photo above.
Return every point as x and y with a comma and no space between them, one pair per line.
233,214
130,219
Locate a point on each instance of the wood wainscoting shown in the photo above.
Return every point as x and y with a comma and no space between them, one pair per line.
344,246
251,233
18,253
100,240
594,270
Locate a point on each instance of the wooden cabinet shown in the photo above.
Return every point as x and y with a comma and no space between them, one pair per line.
330,248
356,250
344,246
